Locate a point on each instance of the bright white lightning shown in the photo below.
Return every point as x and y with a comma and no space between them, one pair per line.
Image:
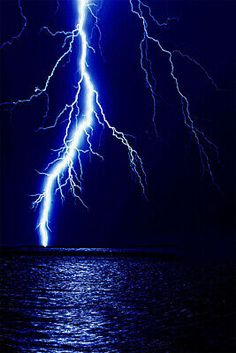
71,149
72,140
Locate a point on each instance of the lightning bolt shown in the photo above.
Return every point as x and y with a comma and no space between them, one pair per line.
142,11
85,113
80,124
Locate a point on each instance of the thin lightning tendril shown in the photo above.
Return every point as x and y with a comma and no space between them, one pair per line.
81,120
198,135
19,34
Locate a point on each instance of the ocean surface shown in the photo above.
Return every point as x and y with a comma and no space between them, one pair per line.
121,302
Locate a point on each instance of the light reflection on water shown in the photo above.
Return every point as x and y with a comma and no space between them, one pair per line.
109,304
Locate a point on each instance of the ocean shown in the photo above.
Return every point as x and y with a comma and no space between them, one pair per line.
105,301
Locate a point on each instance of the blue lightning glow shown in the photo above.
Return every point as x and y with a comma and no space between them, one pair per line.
82,120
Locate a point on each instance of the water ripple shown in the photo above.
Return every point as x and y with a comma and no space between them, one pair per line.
113,305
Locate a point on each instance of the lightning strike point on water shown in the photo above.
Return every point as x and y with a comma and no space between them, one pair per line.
82,120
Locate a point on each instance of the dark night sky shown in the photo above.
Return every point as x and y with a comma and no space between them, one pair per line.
184,207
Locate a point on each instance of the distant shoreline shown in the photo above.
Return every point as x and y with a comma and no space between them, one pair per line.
160,252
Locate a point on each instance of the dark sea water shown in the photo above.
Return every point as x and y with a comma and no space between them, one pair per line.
81,303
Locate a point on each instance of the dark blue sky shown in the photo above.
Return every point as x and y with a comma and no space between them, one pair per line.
184,207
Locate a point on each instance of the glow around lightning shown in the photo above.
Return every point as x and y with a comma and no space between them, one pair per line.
82,119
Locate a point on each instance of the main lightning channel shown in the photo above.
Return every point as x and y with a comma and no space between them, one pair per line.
81,130
77,134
